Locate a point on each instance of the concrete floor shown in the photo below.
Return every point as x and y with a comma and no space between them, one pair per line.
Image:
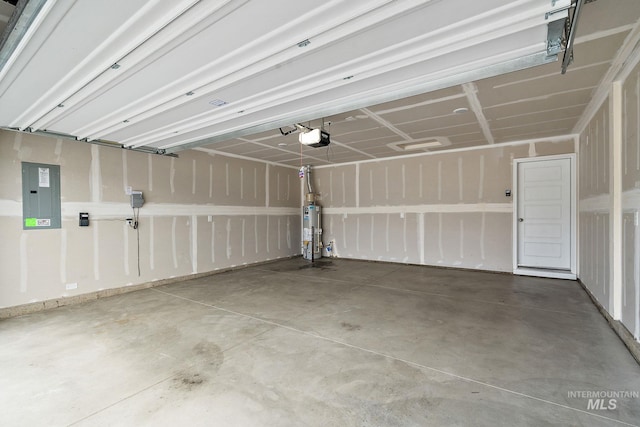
339,343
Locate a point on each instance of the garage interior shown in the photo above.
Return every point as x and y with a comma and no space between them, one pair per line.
162,165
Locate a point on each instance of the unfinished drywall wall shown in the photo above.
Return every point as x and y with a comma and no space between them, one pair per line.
446,209
203,212
630,174
594,199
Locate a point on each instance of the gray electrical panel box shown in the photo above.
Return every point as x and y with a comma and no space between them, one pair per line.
136,199
40,196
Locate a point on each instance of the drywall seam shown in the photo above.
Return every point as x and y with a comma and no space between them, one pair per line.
150,171
267,235
376,118
226,178
460,179
237,156
243,238
255,232
404,234
481,180
278,186
420,185
344,232
279,235
603,33
228,238
551,139
125,249
24,262
331,186
436,208
471,91
96,181
58,150
357,183
344,190
63,256
96,251
266,186
255,183
210,180
440,246
386,182
439,179
193,176
372,232
386,239
482,234
194,244
173,242
172,174
151,249
241,183
213,242
125,171
404,181
17,141
461,235
421,249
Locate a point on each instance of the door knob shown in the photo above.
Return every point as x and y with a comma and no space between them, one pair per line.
521,219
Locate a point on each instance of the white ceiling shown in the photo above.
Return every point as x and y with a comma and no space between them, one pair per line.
383,73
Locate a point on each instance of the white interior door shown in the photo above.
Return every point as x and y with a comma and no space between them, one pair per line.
544,214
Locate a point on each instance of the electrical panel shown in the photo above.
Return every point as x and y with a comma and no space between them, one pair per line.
136,199
40,196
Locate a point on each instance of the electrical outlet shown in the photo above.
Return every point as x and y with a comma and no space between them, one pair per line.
71,286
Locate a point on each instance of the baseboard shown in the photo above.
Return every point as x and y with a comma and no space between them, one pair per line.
34,307
623,333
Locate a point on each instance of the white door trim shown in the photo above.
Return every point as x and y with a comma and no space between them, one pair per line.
557,274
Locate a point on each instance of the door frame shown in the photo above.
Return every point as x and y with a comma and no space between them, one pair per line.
539,272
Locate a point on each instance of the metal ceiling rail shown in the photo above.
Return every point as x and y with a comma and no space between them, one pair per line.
568,53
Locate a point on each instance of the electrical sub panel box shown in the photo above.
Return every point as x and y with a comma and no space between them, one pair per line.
40,196
136,199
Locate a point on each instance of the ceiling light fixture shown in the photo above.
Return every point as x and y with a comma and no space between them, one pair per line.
461,110
218,102
115,66
282,144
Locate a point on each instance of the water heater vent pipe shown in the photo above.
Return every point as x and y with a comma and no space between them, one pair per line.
308,174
